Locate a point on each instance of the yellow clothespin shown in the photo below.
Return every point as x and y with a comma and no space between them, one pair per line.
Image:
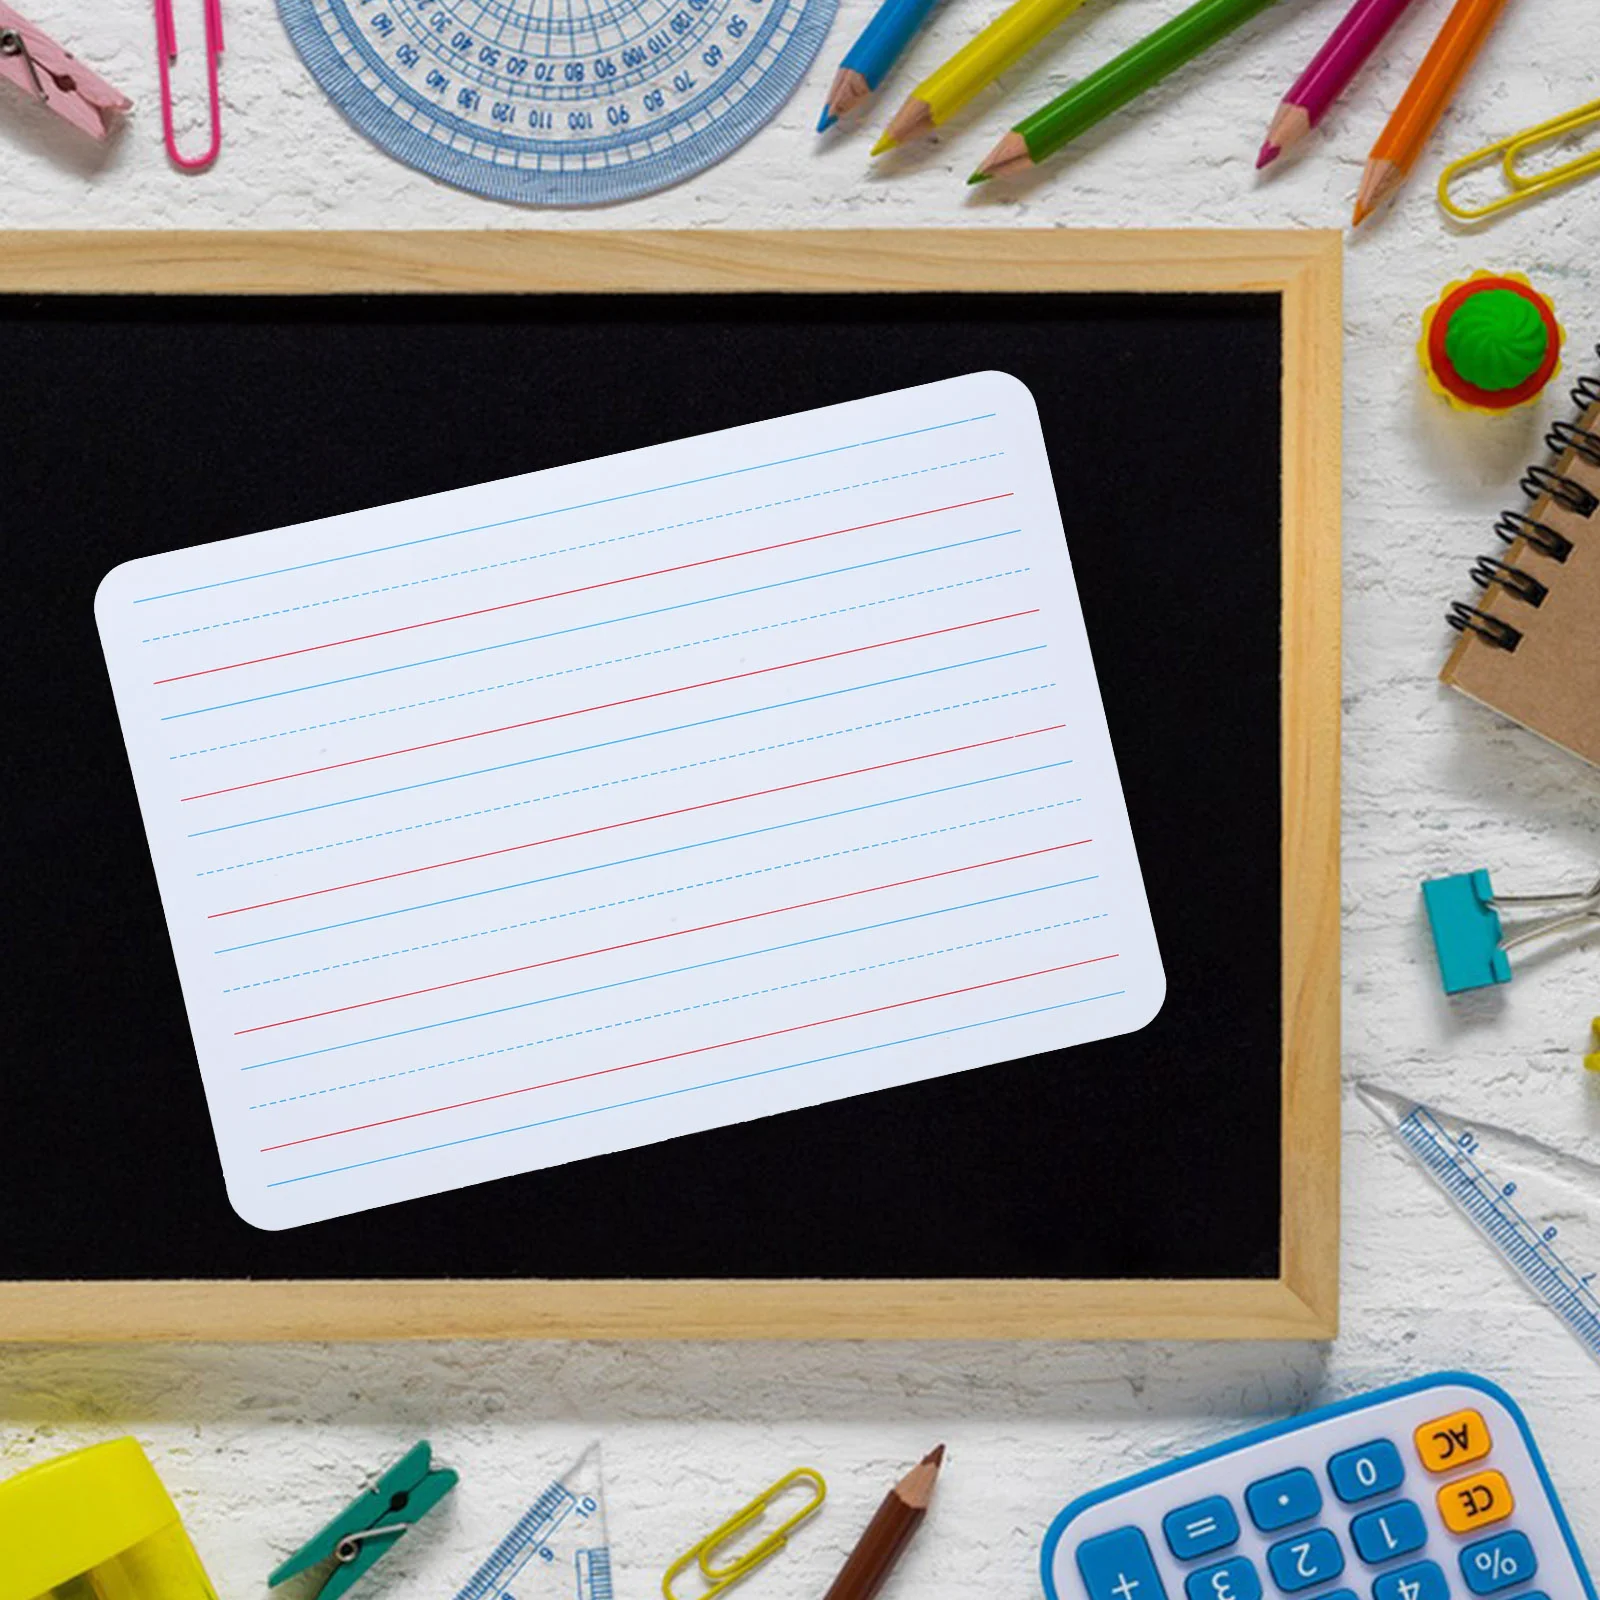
1592,1062
720,1575
1522,184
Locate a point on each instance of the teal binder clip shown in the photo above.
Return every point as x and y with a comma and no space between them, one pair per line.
1464,915
369,1527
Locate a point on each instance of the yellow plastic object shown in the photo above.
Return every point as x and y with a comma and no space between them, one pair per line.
1476,1502
1450,1442
714,1575
95,1525
1520,184
1593,1062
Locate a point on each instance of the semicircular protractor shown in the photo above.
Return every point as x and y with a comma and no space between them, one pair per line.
558,102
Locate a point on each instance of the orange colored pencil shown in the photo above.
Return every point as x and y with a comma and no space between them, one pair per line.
1426,99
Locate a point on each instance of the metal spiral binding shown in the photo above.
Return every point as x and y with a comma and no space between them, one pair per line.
1490,570
1586,392
1566,492
1540,536
1538,483
1565,436
1491,629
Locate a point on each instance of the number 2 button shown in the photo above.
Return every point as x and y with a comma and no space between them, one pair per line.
1303,1563
1228,1580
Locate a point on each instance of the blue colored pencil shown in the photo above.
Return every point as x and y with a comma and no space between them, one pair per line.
872,55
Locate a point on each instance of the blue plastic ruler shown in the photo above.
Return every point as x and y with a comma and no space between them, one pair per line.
557,1549
1538,1207
558,102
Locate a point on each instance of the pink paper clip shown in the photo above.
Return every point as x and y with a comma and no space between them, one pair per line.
39,66
167,50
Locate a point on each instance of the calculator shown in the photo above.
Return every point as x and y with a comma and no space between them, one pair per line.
1432,1490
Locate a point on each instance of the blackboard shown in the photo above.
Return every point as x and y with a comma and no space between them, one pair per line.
1154,1156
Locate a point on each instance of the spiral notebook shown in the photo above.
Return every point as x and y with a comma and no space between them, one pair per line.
631,798
1530,647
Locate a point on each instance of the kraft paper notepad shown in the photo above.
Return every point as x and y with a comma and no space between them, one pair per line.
573,812
1530,647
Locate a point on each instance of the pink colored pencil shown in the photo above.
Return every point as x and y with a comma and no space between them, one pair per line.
1331,69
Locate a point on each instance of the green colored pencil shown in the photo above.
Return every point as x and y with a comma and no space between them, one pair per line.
1114,85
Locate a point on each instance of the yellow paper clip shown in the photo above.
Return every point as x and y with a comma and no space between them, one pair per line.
723,1575
1522,184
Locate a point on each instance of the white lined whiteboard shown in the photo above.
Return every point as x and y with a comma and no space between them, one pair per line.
563,814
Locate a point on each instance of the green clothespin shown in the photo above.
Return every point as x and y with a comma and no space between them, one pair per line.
372,1523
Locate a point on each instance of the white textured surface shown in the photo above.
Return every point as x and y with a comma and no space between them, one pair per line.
261,1444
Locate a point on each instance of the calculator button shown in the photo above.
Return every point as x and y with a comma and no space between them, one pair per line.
1368,1470
1118,1566
1453,1441
1305,1562
1201,1529
1422,1580
1228,1580
1476,1502
1393,1531
1284,1500
1498,1563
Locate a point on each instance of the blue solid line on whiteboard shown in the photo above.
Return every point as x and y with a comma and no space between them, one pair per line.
672,972
556,511
584,627
651,855
721,1083
584,749
679,1011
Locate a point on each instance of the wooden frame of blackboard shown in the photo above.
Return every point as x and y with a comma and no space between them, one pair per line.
1303,269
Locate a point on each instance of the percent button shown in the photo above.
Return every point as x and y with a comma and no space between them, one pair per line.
1498,1563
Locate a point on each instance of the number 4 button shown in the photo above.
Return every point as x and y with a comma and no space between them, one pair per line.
1422,1580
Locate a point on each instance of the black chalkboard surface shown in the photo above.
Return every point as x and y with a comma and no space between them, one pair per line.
1155,1155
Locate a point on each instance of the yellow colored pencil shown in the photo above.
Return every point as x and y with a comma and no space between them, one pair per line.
973,67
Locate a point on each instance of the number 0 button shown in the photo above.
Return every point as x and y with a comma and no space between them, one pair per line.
1228,1580
1367,1471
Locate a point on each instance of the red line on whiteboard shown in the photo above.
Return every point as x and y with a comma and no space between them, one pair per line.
656,938
678,1055
655,816
586,588
609,705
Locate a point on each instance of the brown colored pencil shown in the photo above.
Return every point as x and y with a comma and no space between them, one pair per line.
889,1532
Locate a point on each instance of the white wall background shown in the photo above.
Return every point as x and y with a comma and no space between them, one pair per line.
261,1444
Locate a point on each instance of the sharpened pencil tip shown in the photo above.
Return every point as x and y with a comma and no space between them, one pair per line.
826,120
934,1457
977,177
884,143
1269,153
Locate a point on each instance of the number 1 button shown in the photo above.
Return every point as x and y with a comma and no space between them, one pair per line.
1118,1566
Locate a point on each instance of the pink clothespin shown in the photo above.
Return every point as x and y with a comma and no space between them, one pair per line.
33,61
167,50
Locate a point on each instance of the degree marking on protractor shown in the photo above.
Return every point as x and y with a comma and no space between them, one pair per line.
566,100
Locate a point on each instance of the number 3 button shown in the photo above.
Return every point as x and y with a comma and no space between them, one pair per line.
1228,1580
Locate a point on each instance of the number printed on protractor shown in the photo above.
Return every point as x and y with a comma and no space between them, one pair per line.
578,102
